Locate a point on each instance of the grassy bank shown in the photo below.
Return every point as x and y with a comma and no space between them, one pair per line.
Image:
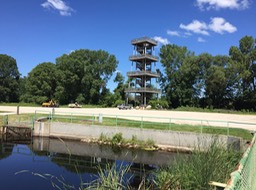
194,171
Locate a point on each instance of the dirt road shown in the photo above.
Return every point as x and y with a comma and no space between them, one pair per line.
215,119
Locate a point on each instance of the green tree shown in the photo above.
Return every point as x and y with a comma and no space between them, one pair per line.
9,79
85,74
243,61
119,90
175,81
42,83
217,82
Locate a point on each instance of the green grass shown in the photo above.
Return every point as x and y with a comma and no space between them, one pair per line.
208,110
198,169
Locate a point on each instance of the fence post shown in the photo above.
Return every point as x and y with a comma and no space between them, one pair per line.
18,109
227,128
141,123
201,127
101,118
5,120
170,123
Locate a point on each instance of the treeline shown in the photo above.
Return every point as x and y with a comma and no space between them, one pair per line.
80,76
206,81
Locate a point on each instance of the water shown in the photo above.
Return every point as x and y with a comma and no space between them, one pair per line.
45,162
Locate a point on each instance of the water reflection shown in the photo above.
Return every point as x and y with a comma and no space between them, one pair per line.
70,161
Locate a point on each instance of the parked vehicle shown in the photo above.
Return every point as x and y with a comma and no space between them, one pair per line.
75,105
124,107
51,103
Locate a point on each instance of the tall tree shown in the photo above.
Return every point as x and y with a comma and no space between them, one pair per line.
243,60
42,83
172,81
217,82
9,79
86,74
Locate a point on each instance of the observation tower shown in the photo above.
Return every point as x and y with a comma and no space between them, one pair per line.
143,75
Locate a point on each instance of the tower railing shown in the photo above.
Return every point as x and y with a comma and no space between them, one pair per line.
143,89
140,73
143,56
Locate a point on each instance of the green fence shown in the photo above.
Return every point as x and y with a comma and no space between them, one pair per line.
153,122
244,178
17,120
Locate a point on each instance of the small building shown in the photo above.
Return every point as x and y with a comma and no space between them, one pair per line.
143,77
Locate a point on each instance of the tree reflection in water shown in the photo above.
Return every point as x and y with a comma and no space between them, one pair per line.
75,158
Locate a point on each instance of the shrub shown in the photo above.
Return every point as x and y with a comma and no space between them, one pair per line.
117,139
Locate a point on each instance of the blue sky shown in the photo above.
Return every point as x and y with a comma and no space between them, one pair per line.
36,31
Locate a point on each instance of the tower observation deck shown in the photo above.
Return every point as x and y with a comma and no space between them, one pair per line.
143,71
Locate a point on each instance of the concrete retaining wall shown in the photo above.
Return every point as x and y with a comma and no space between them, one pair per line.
160,137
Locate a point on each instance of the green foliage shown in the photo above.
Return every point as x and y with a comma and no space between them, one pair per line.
243,64
180,68
9,79
210,81
86,73
112,178
196,170
159,104
119,90
117,139
134,140
42,84
118,102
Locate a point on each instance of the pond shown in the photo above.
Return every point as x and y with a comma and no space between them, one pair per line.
44,162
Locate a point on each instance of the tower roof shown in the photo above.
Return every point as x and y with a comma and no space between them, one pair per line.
148,40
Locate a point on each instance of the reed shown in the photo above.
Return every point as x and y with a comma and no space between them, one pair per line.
199,168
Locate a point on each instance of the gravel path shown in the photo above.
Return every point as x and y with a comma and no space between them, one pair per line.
215,119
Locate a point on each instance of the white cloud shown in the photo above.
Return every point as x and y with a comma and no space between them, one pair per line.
173,33
219,25
59,5
223,4
161,40
199,39
196,27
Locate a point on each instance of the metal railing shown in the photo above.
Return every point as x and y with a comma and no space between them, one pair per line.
140,73
17,120
143,89
163,123
143,56
244,178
